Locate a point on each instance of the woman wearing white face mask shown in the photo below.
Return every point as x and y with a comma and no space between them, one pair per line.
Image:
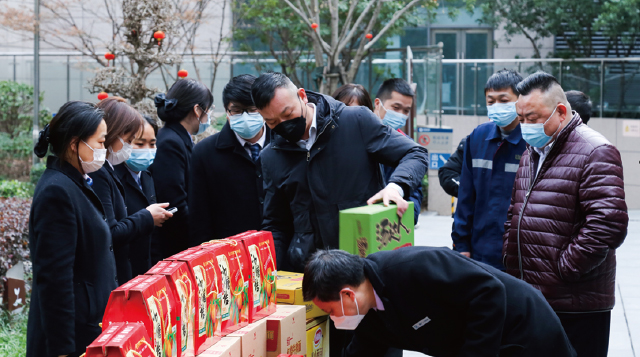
123,122
73,266
186,110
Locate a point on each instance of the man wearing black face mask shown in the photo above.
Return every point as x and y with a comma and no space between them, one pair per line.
324,157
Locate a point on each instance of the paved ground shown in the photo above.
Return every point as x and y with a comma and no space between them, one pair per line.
625,317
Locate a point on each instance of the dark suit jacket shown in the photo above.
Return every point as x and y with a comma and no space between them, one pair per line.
226,193
170,171
74,269
138,199
440,303
125,228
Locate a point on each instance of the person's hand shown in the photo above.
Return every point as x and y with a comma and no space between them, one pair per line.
159,213
466,254
390,194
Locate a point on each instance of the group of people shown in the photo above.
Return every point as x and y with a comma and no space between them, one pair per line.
119,195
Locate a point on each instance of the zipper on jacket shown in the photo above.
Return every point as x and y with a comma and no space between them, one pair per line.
524,205
308,155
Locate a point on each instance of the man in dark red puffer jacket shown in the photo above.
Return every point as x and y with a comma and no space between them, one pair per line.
567,215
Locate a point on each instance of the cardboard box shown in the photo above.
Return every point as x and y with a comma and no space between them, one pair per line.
286,330
150,301
122,339
369,229
260,251
206,276
14,294
318,337
226,347
289,292
235,277
180,281
254,339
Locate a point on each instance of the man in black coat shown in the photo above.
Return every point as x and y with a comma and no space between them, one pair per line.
325,157
449,173
434,301
226,193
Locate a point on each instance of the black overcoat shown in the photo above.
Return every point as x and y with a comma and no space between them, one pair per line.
74,269
226,193
170,171
136,200
440,303
125,228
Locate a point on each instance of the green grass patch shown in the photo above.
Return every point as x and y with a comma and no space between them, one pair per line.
13,333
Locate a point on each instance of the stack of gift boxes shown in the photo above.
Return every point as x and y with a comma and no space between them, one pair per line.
217,299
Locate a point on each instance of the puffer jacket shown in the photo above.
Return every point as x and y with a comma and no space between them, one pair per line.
564,224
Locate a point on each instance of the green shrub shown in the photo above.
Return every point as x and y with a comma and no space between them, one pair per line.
14,188
16,108
36,172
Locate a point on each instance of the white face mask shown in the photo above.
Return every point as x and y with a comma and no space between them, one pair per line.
347,322
116,158
99,155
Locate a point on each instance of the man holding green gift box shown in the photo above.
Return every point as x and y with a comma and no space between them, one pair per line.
325,157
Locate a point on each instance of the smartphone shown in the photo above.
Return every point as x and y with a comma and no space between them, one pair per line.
172,210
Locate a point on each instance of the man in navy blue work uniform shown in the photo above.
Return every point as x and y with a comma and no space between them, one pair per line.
491,158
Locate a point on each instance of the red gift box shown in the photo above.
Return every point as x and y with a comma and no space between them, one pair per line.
260,251
235,273
122,339
150,301
207,284
184,289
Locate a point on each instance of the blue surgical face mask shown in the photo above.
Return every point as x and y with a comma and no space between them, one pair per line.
534,134
202,127
393,119
141,159
502,114
246,125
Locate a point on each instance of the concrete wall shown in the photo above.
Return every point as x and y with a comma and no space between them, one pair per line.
612,129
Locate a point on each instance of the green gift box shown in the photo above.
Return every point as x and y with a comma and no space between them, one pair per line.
369,229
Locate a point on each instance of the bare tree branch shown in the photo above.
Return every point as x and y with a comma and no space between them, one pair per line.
395,18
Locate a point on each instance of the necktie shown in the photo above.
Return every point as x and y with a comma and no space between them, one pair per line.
255,151
137,178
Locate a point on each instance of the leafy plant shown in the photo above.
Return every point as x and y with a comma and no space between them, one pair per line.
14,232
13,333
15,188
36,172
16,108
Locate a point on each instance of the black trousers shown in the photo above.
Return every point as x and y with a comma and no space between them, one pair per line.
588,332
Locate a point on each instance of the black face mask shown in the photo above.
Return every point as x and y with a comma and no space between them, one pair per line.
293,129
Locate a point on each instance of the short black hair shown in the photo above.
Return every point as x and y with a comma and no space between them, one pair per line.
394,85
180,99
581,103
238,90
348,92
74,120
264,87
328,272
152,122
539,80
503,79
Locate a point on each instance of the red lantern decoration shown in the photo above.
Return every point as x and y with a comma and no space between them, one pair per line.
110,57
368,36
314,26
103,95
183,73
159,35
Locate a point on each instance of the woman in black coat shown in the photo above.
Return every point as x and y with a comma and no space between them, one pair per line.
139,190
185,112
73,264
123,123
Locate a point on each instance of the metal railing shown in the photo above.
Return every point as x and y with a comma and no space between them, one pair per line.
444,86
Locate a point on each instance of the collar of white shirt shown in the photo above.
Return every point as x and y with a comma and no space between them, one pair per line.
259,142
307,144
379,305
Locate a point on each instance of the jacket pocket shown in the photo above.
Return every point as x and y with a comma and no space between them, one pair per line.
92,302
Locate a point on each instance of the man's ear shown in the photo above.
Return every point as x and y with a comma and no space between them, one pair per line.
377,102
564,112
303,95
